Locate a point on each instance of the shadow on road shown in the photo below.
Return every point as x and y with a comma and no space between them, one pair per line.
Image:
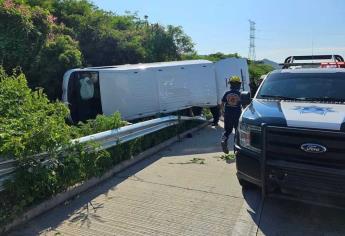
81,207
275,216
282,217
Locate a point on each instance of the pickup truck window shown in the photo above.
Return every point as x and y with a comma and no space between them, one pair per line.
304,86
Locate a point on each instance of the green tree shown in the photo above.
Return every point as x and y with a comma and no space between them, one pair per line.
45,4
23,32
104,38
183,43
60,54
166,43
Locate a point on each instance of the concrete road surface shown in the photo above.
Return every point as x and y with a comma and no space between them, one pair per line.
187,189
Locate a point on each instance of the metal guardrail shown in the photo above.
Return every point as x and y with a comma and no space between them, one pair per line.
108,139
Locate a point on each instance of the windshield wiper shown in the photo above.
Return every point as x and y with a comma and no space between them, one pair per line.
323,99
277,97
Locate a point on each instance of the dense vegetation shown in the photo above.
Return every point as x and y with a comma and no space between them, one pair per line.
74,33
31,125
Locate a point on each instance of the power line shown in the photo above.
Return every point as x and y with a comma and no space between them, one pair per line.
252,27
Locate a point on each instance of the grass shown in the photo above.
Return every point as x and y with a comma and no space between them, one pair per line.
227,157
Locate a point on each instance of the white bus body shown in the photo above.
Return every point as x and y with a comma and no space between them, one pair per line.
144,90
229,67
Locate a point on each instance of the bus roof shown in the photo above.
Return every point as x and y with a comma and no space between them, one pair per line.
142,66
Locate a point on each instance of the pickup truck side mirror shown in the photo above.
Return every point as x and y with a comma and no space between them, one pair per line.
245,98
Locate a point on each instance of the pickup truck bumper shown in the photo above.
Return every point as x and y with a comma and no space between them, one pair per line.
317,179
248,166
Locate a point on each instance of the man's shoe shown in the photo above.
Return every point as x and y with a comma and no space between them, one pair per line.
225,146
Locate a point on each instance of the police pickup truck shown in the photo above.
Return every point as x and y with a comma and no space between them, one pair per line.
291,136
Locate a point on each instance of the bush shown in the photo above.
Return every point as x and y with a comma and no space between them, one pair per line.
206,112
99,124
31,125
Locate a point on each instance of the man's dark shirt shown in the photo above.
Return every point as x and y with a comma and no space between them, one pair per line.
232,102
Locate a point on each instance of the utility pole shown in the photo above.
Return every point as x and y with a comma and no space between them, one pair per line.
251,54
146,17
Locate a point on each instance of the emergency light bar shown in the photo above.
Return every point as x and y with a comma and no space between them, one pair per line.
332,65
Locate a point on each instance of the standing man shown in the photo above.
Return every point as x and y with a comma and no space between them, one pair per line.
231,108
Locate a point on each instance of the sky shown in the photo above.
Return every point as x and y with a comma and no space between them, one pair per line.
283,28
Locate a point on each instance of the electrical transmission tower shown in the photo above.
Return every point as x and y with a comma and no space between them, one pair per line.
251,54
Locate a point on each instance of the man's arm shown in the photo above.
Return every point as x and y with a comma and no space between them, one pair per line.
222,105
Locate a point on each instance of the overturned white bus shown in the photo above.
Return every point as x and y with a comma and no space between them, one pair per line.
144,90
